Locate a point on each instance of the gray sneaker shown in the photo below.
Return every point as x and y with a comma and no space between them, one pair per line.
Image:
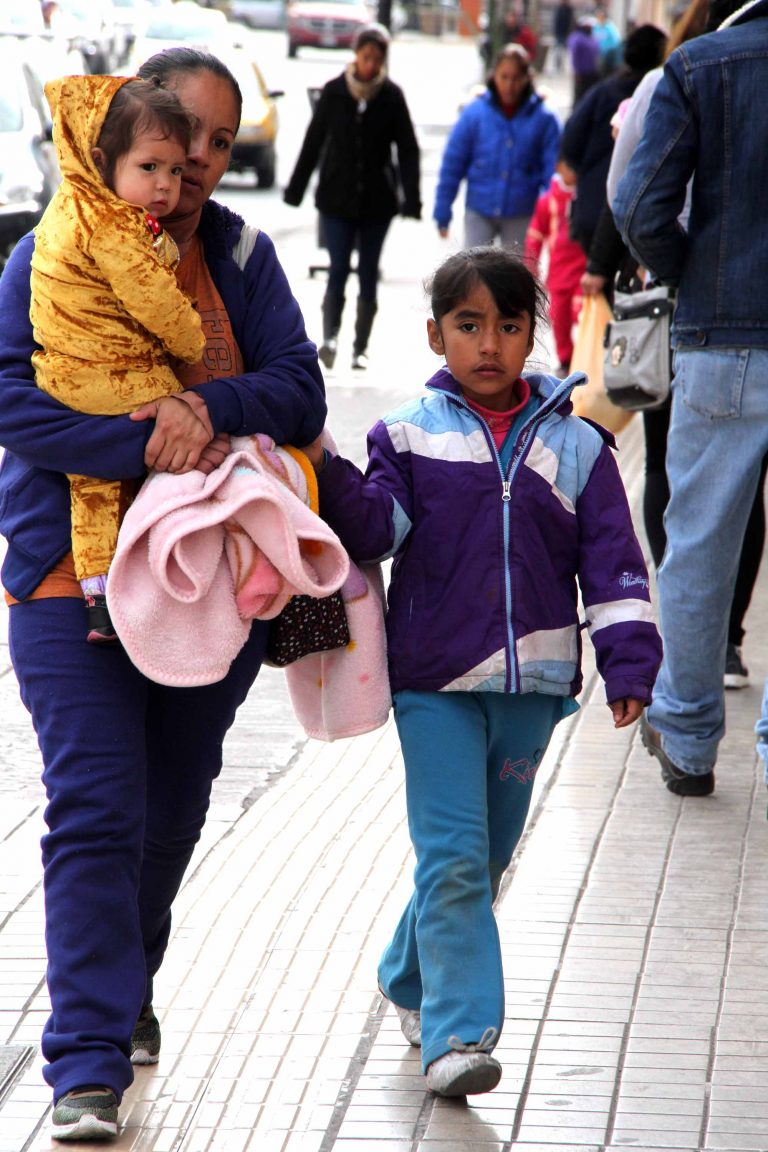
463,1074
145,1041
88,1113
410,1024
410,1021
467,1070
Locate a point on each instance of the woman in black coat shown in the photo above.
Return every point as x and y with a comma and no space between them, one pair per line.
358,118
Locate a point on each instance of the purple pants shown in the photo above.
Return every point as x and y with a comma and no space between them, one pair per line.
128,769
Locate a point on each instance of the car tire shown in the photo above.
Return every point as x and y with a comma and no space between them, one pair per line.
265,169
293,50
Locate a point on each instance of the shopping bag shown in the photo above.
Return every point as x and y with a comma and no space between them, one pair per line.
590,399
637,366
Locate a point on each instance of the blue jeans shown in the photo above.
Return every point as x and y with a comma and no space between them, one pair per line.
340,238
127,768
470,762
717,439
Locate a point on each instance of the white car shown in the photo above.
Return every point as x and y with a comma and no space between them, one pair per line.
29,172
258,13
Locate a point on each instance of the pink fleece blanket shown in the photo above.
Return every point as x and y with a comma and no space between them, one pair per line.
199,557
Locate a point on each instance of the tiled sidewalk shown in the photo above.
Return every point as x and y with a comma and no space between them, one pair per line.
634,936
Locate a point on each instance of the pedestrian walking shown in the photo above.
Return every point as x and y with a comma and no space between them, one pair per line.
128,764
505,145
549,231
486,483
588,136
718,434
563,20
360,118
584,52
692,22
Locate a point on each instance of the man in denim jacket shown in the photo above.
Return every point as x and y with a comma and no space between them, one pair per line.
705,121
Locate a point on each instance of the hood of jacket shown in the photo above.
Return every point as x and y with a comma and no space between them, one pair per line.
79,106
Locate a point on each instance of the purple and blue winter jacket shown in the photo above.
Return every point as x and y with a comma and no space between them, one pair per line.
484,594
280,393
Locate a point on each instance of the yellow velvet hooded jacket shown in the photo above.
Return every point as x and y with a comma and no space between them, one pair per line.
105,307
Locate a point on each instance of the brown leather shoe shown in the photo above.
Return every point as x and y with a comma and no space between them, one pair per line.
677,781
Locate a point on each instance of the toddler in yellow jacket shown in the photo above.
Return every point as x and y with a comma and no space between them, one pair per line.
106,308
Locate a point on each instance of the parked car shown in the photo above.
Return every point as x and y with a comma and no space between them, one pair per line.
254,146
259,13
29,171
182,23
325,23
88,25
131,17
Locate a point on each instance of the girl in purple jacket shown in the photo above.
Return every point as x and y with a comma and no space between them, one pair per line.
497,504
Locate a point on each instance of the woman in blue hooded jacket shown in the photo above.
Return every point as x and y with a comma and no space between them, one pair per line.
505,145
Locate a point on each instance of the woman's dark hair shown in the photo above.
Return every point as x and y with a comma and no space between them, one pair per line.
518,54
185,62
644,48
510,282
140,106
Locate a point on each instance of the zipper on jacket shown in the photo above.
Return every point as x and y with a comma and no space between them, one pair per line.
513,672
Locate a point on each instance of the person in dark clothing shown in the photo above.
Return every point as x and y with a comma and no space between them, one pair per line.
360,115
562,25
584,51
588,138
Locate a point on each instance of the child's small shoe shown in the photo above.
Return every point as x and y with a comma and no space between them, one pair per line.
467,1070
100,627
463,1074
410,1024
410,1021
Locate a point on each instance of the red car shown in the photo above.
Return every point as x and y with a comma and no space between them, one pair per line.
325,23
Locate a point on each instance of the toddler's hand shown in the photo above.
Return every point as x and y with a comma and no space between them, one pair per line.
626,711
314,452
214,454
178,438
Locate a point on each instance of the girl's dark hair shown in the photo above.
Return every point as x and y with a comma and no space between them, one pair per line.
138,107
185,62
518,54
510,282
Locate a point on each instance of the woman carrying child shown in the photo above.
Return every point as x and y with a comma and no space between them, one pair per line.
128,764
494,501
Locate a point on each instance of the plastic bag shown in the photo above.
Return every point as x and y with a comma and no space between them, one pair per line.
590,399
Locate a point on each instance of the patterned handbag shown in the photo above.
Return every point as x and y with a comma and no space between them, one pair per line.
307,624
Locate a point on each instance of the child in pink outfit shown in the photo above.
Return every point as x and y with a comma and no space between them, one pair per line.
567,263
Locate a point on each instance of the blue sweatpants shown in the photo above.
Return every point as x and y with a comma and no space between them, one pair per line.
128,769
470,762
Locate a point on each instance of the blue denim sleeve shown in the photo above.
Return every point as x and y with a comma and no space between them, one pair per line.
651,193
